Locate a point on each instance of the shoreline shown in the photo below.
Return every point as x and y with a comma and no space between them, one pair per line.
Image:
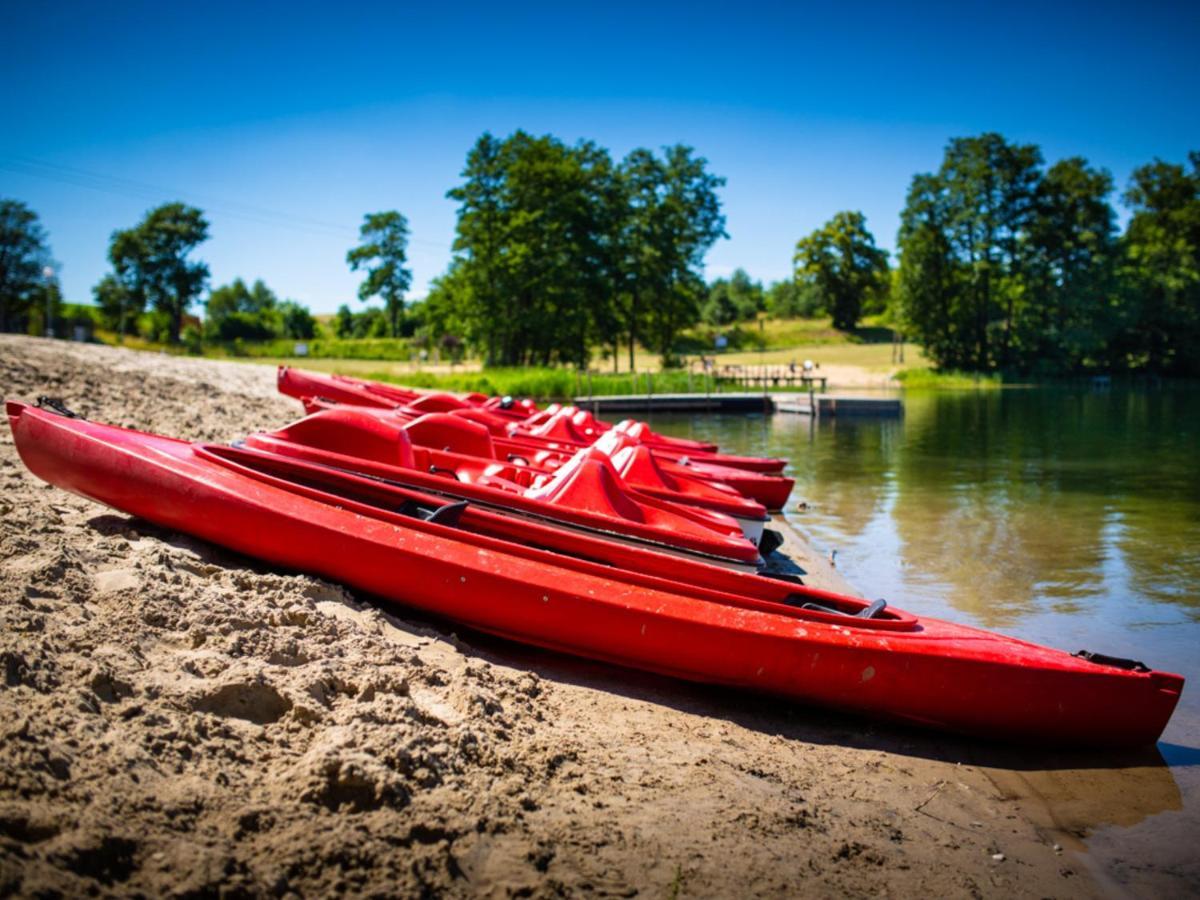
179,717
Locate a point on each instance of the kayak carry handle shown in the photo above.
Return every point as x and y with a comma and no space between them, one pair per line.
517,458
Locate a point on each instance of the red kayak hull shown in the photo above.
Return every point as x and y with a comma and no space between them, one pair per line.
737,630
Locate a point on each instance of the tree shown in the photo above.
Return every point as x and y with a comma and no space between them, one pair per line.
150,260
532,279
968,259
235,311
1072,314
23,257
1162,267
479,236
992,189
788,300
296,321
674,218
841,264
343,322
933,300
119,304
383,240
733,299
557,248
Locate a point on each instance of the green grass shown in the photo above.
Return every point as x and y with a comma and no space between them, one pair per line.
845,357
929,379
541,383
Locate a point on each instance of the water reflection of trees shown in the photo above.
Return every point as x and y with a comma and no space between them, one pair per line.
1001,500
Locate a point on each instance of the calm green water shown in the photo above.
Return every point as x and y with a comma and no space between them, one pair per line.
1066,517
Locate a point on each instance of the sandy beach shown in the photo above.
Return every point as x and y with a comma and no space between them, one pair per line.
179,720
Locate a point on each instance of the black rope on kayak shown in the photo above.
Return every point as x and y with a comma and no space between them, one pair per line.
872,611
57,405
1117,662
433,470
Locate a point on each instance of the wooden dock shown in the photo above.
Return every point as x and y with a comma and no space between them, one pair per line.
717,402
823,405
804,404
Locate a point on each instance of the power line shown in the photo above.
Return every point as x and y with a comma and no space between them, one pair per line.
140,190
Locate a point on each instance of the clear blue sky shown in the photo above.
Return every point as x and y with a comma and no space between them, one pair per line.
286,123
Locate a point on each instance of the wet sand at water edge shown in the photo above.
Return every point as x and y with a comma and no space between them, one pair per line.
177,719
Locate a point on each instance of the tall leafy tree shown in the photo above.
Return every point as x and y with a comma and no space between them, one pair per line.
532,279
557,248
968,226
24,255
151,261
991,188
1073,310
1162,248
933,298
841,264
674,219
382,251
480,240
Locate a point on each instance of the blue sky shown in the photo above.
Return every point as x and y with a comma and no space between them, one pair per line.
288,122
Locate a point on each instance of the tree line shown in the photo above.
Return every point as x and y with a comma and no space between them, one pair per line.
154,281
1007,265
1004,264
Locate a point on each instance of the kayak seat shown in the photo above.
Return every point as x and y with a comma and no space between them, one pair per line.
487,419
637,465
589,481
613,441
559,427
453,433
436,403
352,431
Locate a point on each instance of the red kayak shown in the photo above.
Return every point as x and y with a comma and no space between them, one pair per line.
529,582
639,468
564,423
586,493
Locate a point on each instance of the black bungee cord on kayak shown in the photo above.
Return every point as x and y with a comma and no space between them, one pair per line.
57,405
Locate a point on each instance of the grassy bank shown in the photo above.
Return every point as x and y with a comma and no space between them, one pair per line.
863,358
546,384
929,379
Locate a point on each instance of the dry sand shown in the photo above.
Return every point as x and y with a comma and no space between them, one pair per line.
179,720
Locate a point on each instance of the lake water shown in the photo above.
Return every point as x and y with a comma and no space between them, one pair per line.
1066,517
